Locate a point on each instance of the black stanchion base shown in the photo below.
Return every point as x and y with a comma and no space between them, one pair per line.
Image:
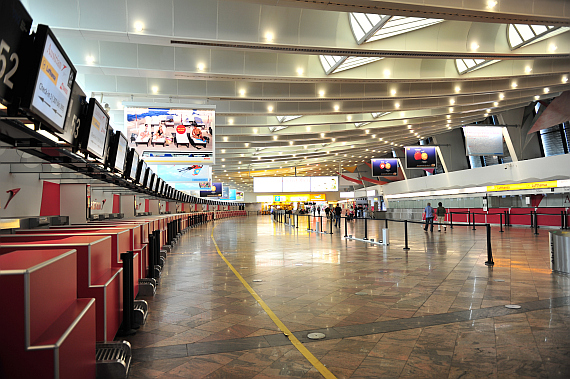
489,263
406,248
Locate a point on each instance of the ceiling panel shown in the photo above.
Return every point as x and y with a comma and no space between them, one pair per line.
193,18
238,21
156,57
155,15
103,14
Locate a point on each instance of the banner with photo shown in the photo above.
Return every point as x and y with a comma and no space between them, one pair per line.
183,173
162,134
421,156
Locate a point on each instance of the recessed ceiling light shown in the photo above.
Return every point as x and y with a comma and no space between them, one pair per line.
223,151
387,73
349,117
225,139
290,142
496,104
231,121
254,131
300,71
269,36
397,105
139,27
457,89
333,139
274,138
491,4
308,128
501,96
564,79
536,97
90,59
246,144
451,101
154,89
546,89
321,93
322,134
201,66
336,108
270,108
393,92
474,45
552,47
527,69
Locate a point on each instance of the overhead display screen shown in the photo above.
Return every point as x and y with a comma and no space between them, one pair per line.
215,191
121,153
184,173
240,196
168,135
134,166
97,129
54,82
15,24
421,156
296,184
268,184
324,183
384,167
483,140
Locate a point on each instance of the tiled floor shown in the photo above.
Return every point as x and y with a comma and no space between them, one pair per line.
434,312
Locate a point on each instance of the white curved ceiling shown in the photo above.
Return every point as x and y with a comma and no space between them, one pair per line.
256,60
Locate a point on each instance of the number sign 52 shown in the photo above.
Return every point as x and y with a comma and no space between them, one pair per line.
5,77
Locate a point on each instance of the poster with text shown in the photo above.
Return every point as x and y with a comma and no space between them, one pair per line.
483,140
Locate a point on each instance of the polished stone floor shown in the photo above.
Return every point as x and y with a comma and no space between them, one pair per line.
435,311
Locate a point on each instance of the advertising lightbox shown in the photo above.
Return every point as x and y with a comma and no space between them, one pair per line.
483,140
296,184
165,135
268,184
193,186
225,193
233,194
184,173
54,78
240,196
384,167
324,183
421,157
215,191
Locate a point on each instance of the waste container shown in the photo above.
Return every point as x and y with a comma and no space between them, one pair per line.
560,251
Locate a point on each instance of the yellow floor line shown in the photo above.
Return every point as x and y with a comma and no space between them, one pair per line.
302,349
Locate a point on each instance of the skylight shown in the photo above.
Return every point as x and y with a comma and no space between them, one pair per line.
359,124
520,35
379,114
283,119
467,65
333,63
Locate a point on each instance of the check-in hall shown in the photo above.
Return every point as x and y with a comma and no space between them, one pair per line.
284,189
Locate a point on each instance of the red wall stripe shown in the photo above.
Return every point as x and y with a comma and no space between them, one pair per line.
116,203
50,199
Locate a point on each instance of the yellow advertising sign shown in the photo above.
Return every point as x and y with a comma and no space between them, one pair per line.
50,72
298,198
523,186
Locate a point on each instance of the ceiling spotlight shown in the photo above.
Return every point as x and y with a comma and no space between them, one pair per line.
397,105
225,139
552,47
223,151
308,128
290,142
387,73
349,117
231,121
274,138
451,109
564,79
393,92
322,134
139,27
269,36
536,97
336,108
496,104
474,45
528,69
501,96
270,108
457,89
300,71
491,4
451,101
514,85
154,89
246,144
90,59
254,131
321,93
333,139
488,111
546,89
373,135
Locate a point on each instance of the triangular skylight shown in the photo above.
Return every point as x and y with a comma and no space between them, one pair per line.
520,35
378,114
283,119
467,65
367,27
359,124
335,63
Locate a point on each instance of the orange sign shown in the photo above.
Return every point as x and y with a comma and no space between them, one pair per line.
180,129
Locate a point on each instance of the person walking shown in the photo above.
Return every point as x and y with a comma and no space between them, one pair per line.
441,212
337,213
428,212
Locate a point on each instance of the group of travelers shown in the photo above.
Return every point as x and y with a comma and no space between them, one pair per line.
438,214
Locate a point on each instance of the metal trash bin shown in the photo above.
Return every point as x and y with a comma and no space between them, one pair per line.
560,251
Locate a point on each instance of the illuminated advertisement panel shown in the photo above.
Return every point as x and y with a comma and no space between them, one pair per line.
166,135
420,157
483,140
268,184
324,183
384,167
215,191
296,184
184,173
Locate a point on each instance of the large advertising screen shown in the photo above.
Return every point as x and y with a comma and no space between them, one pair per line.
268,184
483,140
384,167
193,186
296,184
168,135
184,173
55,78
233,194
421,156
225,193
215,191
324,183
240,196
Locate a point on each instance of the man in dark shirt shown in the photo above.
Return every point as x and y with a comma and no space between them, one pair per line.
337,213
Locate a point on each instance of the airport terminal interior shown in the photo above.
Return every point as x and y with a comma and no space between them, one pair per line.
284,189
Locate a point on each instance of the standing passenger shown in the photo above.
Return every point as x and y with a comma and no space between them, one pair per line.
441,211
428,211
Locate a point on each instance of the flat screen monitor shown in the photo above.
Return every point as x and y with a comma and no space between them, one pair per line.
384,167
131,164
156,184
95,129
121,152
75,113
54,75
146,176
420,157
150,185
141,171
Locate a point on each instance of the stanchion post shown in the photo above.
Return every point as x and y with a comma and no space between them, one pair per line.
297,223
536,223
406,234
489,248
331,225
151,253
386,223
473,219
320,224
561,219
128,295
345,228
531,219
501,222
450,220
365,228
308,221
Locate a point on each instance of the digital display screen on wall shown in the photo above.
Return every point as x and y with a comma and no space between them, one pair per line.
54,80
193,186
98,124
483,140
233,194
215,191
296,184
240,196
268,184
184,173
420,157
168,135
225,193
121,153
384,167
324,183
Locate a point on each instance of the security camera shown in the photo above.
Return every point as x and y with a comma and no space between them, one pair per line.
107,107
